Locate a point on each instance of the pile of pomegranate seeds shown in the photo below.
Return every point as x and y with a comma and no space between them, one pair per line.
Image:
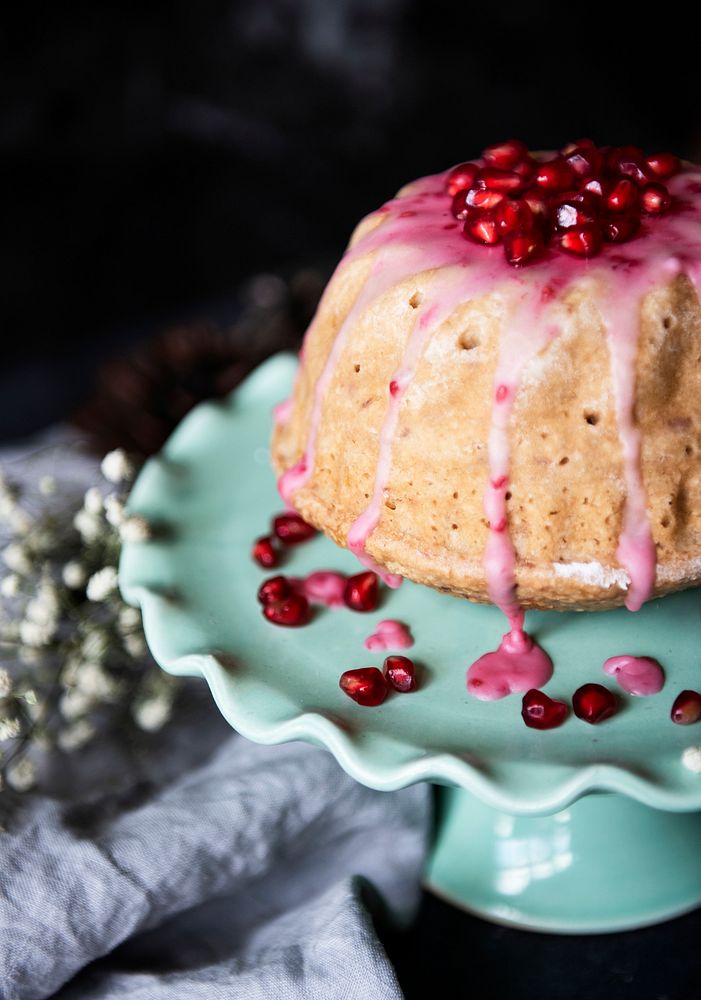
686,708
585,196
288,529
285,603
593,703
370,686
541,712
281,605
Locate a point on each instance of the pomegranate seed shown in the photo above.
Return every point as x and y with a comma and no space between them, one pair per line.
621,228
400,673
582,241
506,181
623,196
505,155
524,168
274,589
483,228
460,207
628,161
521,248
593,703
265,553
555,175
686,708
291,529
655,199
584,160
541,712
462,176
663,165
483,198
539,206
575,208
578,144
512,215
293,611
366,685
362,592
594,186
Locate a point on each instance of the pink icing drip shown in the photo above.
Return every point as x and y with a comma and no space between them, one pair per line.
323,587
282,411
639,675
389,634
519,664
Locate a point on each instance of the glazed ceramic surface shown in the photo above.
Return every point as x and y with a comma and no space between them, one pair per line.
211,492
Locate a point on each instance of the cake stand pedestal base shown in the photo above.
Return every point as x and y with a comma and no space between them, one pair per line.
606,863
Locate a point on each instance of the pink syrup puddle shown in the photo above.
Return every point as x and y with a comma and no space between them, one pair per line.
519,664
389,634
638,675
322,587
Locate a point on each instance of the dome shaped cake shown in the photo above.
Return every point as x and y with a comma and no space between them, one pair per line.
514,423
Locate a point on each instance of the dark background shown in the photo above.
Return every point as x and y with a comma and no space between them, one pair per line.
155,156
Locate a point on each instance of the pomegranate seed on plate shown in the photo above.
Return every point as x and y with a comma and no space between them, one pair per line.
582,241
663,165
493,179
623,196
462,176
593,703
400,673
265,553
655,199
541,712
505,155
292,529
366,685
362,591
275,588
483,228
686,708
554,175
292,611
521,248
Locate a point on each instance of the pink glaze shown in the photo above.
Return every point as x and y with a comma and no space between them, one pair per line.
519,664
638,675
282,411
389,634
415,234
323,587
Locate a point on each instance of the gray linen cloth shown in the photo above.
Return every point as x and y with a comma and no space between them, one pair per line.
203,865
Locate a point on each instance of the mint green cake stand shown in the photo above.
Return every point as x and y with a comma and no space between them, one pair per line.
579,829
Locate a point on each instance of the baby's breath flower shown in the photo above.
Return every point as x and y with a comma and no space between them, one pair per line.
94,646
16,558
76,735
135,645
36,634
128,619
74,704
21,774
114,510
135,529
5,683
10,585
116,466
42,610
74,575
102,584
152,714
87,525
29,655
92,501
92,680
10,728
47,486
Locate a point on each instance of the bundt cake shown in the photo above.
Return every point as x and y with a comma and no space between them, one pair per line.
500,394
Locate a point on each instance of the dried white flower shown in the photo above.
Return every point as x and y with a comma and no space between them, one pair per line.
75,703
16,558
14,515
135,529
94,646
21,775
128,619
116,466
135,645
10,728
691,758
114,510
76,736
10,585
74,575
5,683
152,713
28,654
47,486
36,634
87,525
92,501
43,609
93,681
102,584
